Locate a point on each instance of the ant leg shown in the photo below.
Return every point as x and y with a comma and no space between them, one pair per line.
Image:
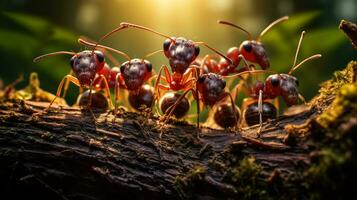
302,98
116,95
236,112
66,85
276,104
106,89
168,80
260,110
172,108
68,77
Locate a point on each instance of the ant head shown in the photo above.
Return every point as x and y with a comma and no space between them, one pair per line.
254,51
181,53
211,86
86,64
284,85
135,72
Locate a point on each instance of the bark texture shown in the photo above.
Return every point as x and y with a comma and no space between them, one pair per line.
65,154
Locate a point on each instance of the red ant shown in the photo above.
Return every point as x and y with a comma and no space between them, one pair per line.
181,54
251,50
85,66
131,76
284,85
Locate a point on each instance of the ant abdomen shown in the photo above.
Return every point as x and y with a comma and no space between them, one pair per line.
251,113
144,97
98,102
169,99
224,116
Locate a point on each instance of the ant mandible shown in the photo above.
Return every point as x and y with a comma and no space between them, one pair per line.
131,76
284,85
251,50
181,54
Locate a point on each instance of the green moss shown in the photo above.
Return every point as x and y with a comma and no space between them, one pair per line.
332,173
186,184
246,177
344,105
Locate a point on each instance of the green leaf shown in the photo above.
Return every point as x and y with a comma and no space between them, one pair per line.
36,25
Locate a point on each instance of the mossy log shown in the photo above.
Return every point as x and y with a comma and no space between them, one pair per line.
64,154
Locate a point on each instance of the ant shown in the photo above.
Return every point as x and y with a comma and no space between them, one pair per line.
284,85
181,53
211,91
131,75
85,66
251,50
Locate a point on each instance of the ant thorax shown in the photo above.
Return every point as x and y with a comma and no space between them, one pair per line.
135,72
211,86
180,53
254,51
284,85
86,64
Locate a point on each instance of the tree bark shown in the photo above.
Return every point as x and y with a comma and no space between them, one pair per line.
65,154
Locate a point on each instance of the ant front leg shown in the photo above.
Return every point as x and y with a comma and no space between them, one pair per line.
106,88
159,86
118,83
66,85
302,98
236,112
260,110
69,78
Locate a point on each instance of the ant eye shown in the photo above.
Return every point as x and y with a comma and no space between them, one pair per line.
149,66
297,82
224,83
100,56
275,81
71,62
201,79
197,50
247,47
122,68
167,44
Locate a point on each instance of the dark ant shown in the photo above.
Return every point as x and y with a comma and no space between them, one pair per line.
252,50
284,85
181,54
131,76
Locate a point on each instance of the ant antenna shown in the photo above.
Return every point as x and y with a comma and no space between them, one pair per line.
298,47
235,26
80,40
124,25
281,19
240,75
153,53
52,54
302,62
215,50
